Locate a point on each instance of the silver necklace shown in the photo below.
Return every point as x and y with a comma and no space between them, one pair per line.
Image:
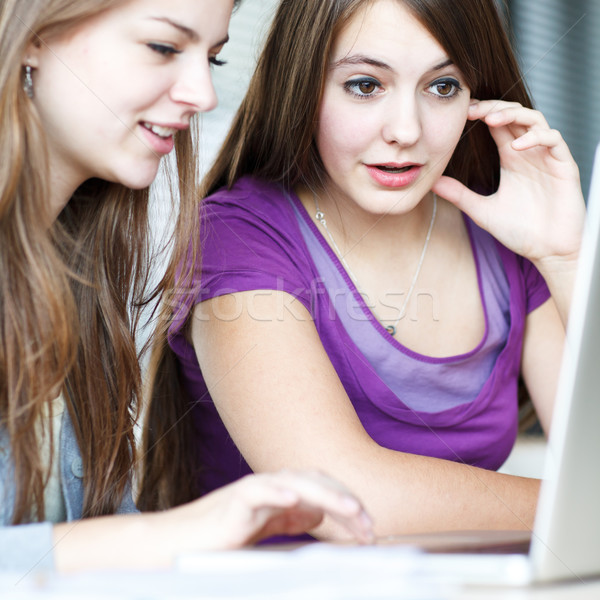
391,329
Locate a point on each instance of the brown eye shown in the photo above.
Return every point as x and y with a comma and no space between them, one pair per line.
363,87
366,87
445,88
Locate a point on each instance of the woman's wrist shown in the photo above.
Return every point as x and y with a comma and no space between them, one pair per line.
559,273
112,542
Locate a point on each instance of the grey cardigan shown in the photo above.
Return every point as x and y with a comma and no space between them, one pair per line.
31,547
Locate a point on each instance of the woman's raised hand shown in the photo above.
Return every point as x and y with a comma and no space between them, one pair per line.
538,209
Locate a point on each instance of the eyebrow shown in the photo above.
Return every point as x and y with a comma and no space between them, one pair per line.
443,64
362,59
190,33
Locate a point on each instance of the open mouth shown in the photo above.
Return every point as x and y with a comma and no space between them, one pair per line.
162,132
388,169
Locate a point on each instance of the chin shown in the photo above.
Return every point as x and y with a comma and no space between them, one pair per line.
138,178
141,185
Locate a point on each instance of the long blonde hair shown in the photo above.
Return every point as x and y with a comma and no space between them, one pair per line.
71,295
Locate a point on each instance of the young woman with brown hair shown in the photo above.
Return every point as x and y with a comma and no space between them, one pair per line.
94,95
389,244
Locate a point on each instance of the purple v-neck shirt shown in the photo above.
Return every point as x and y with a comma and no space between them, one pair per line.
258,236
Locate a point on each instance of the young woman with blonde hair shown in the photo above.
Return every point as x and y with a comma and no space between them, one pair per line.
93,95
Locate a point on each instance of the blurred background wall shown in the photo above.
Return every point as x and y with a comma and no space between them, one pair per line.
248,28
558,44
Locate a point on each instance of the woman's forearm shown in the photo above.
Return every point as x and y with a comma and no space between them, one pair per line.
413,494
236,515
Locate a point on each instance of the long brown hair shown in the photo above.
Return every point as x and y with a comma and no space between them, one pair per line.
71,295
272,137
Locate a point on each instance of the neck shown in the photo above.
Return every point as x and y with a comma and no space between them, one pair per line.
357,231
61,191
381,258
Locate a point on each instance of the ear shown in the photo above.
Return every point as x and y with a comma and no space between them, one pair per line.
32,55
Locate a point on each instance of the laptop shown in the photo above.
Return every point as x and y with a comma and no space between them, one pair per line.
565,541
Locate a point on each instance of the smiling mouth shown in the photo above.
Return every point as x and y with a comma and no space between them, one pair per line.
162,132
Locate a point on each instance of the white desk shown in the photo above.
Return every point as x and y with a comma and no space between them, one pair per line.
267,576
142,586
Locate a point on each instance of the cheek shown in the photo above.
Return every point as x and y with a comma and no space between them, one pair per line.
444,130
343,130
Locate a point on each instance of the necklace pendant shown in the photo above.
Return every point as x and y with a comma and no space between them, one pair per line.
391,330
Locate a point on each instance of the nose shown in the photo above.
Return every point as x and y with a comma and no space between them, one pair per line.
402,123
195,88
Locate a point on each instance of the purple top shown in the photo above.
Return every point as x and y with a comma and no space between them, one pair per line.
258,236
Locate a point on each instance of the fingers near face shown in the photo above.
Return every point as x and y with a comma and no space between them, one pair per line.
522,127
497,113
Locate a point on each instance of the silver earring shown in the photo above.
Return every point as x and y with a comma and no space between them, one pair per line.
28,85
